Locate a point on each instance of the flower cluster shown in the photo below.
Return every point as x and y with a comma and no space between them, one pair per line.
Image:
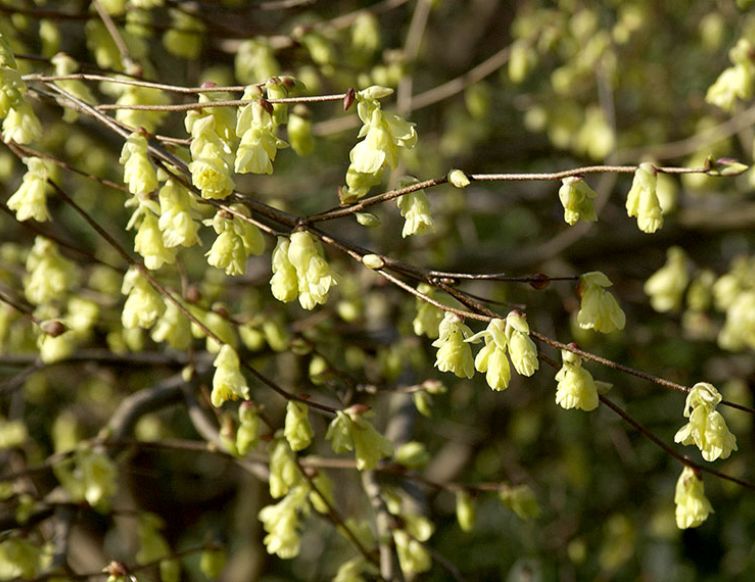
173,327
384,134
20,122
30,200
692,507
454,353
237,240
176,221
576,386
48,274
500,336
65,65
212,147
415,209
281,522
144,305
734,293
228,383
642,200
300,270
298,430
599,309
415,529
577,199
89,475
666,286
256,128
736,82
706,427
351,431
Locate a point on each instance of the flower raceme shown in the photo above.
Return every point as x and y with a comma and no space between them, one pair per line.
237,240
576,386
228,383
20,123
692,507
599,309
350,430
385,134
138,172
666,286
30,200
642,200
300,270
577,199
255,127
454,354
706,427
212,148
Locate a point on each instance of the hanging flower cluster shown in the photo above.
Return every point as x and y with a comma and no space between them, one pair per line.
144,305
692,507
642,200
300,270
576,386
48,274
256,128
454,353
228,383
734,294
350,430
511,335
666,286
577,199
706,428
20,122
415,210
599,309
384,135
65,65
212,147
89,475
237,240
30,200
736,82
141,178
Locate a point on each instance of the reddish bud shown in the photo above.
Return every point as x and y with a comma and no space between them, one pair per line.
349,98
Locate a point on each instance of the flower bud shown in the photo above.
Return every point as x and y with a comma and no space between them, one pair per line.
599,309
458,179
298,431
465,510
692,507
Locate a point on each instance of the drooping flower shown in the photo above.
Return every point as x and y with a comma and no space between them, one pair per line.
284,471
237,240
48,274
415,209
176,222
281,522
491,360
138,172
384,135
454,354
228,383
577,199
313,274
351,431
284,283
522,350
298,430
576,386
692,507
706,428
256,128
599,309
143,305
30,200
666,286
642,200
212,147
